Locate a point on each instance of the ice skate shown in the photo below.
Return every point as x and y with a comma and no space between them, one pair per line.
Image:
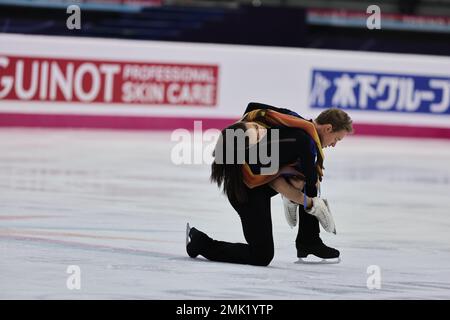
290,211
321,210
192,241
318,254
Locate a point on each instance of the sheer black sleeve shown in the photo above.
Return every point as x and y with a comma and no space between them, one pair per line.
256,105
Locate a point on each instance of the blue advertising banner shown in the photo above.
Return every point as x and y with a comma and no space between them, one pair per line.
380,92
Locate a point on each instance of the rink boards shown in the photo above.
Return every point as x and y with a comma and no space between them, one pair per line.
123,84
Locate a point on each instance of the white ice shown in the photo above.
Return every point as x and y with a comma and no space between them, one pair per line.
113,203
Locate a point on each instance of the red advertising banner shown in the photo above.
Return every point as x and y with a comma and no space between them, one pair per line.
72,80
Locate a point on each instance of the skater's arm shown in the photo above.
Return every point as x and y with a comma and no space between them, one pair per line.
306,149
280,185
256,105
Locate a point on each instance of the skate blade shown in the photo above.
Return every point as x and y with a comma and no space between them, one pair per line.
316,260
188,229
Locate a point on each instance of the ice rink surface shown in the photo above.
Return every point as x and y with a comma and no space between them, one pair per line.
115,205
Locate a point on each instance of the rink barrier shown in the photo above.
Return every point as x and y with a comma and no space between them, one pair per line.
172,123
149,85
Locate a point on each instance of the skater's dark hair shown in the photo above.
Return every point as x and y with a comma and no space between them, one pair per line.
226,173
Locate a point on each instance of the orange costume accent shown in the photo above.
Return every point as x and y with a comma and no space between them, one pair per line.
269,118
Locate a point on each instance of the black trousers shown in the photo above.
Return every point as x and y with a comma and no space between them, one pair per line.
257,226
256,217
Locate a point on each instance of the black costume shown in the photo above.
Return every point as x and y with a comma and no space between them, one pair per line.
294,144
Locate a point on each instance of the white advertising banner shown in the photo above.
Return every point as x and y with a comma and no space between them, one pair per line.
111,77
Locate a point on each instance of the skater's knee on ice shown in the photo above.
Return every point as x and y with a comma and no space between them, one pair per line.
262,261
262,257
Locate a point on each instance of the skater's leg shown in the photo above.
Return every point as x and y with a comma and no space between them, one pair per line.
308,229
257,226
308,241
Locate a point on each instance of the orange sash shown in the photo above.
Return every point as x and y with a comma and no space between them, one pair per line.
269,118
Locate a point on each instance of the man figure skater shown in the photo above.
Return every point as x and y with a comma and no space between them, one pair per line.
308,241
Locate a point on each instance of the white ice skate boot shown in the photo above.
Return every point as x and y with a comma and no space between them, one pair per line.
290,211
321,211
